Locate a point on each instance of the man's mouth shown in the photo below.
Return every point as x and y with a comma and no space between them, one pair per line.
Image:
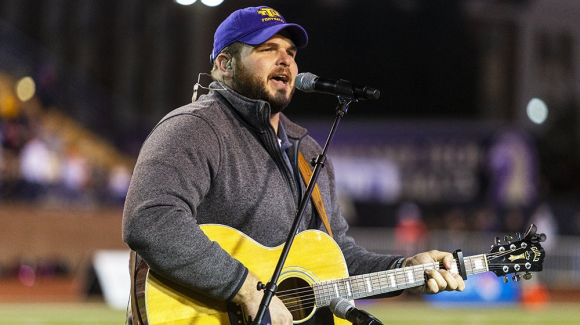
281,79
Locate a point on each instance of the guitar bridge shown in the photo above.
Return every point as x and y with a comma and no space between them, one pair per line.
235,313
238,317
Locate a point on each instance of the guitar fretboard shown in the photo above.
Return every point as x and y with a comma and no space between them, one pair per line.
361,286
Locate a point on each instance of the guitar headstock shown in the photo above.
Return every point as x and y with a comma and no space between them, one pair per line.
524,255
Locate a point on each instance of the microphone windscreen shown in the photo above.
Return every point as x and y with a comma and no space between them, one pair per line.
305,81
340,306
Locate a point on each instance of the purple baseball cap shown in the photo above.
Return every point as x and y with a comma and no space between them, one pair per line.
254,26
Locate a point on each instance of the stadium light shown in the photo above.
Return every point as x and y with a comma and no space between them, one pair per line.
185,2
212,3
25,88
537,111
209,3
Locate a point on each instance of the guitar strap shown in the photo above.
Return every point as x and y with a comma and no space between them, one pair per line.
304,167
133,266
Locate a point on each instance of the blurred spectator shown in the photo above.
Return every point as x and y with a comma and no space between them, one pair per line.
119,179
456,225
544,219
46,83
52,266
485,219
75,174
513,170
514,221
15,132
35,165
410,231
2,167
37,169
455,220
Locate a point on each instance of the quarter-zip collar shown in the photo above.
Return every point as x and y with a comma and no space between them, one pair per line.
255,112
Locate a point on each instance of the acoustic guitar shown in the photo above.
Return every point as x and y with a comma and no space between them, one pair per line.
315,272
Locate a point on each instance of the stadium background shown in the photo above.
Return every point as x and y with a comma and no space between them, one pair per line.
459,142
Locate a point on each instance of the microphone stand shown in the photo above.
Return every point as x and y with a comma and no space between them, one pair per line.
271,287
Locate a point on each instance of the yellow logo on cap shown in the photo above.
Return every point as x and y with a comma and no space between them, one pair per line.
271,15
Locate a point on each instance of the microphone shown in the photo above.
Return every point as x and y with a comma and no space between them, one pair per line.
341,308
308,82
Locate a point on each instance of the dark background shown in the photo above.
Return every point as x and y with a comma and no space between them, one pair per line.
422,60
119,66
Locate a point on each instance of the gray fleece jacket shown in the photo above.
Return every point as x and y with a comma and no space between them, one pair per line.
218,160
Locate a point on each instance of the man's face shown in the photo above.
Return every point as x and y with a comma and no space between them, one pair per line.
267,72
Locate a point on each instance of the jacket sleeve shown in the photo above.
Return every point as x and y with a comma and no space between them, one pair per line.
173,173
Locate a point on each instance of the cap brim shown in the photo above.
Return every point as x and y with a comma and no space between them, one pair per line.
297,34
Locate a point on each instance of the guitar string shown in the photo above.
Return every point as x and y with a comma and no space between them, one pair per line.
296,304
300,304
308,300
498,266
400,274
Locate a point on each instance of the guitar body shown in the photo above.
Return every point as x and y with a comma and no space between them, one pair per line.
313,257
314,274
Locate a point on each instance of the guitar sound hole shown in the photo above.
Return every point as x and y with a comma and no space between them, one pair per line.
298,297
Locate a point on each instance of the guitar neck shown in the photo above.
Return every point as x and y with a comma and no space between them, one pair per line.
361,286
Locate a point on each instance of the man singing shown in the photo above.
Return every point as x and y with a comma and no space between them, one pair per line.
231,158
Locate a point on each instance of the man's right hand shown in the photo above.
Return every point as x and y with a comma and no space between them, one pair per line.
249,297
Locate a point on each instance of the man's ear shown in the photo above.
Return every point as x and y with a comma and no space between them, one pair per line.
224,63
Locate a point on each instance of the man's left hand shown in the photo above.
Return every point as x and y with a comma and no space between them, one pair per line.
436,280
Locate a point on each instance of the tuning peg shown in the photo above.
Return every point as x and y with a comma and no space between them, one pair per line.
542,237
505,279
531,232
538,238
527,276
519,234
508,238
516,277
496,241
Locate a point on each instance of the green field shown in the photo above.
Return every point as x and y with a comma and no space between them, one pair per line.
421,313
397,313
60,314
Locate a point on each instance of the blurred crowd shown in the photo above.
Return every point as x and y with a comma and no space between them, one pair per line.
47,157
411,229
28,272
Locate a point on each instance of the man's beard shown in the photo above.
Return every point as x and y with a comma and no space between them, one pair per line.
252,87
